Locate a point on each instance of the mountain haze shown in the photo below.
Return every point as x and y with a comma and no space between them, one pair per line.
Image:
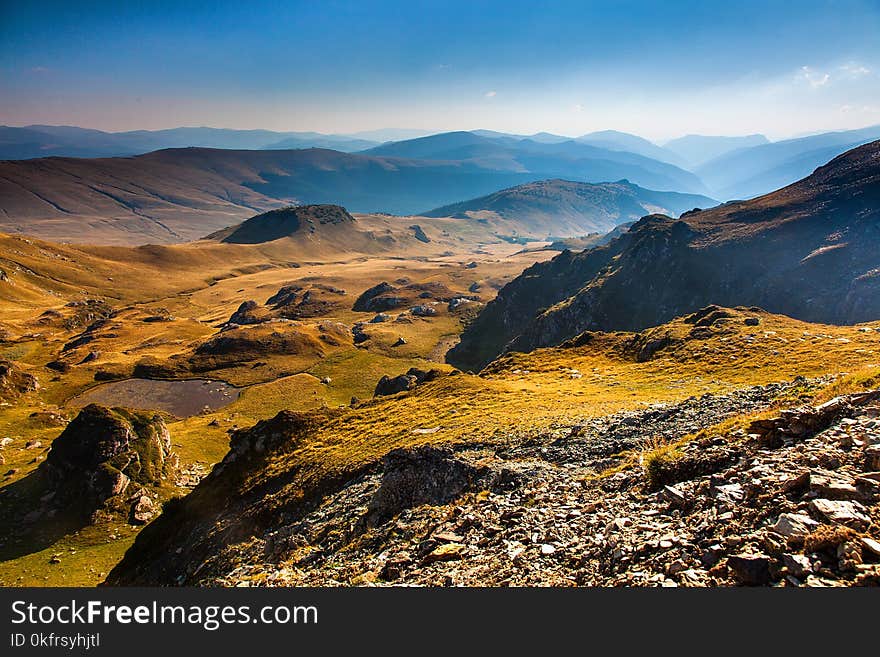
694,150
68,141
749,172
570,159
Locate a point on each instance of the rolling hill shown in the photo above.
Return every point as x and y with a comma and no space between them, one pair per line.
183,194
565,208
808,251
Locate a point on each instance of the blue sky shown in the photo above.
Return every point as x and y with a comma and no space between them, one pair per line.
655,68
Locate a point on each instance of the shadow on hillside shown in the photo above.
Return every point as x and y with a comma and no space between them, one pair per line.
28,521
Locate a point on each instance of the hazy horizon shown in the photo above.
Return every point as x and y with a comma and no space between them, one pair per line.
430,132
654,69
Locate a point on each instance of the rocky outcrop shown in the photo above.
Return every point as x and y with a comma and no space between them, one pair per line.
248,312
805,251
389,385
419,234
240,498
297,301
102,454
384,296
14,382
293,301
284,222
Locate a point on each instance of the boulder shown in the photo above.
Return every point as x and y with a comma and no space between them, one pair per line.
841,512
142,510
750,569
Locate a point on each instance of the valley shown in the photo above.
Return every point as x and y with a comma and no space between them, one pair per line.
83,323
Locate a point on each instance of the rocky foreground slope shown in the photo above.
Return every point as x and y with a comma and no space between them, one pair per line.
787,499
808,251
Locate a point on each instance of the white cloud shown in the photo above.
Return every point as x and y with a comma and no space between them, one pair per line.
578,108
861,109
491,94
813,77
855,71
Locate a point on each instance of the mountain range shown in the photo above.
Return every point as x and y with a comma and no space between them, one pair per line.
180,194
807,251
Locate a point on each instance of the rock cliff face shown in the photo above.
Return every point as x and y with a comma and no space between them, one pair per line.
809,251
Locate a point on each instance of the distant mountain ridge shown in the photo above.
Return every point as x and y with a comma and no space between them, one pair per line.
569,159
567,208
174,195
808,251
36,141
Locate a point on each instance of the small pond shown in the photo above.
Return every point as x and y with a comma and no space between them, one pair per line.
180,398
